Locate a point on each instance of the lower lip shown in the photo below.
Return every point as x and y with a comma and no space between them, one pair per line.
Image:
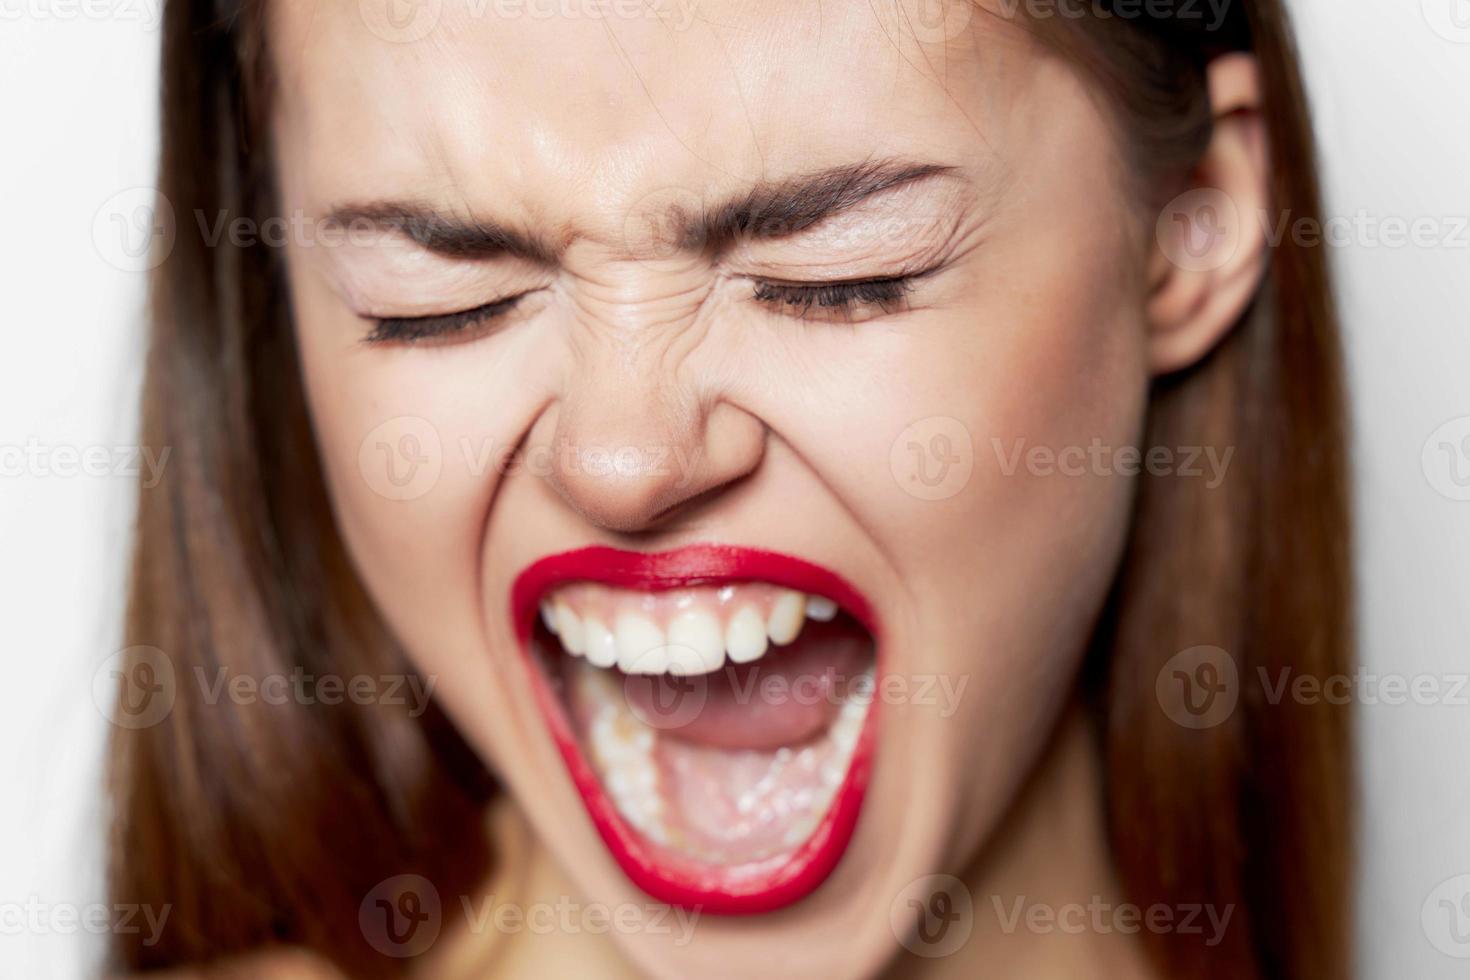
716,890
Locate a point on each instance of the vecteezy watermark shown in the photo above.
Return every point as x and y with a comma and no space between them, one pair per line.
939,691
146,13
138,687
1445,917
64,461
935,916
401,458
38,917
135,687
932,916
1198,687
403,916
933,458
1209,463
1446,459
405,21
1450,19
1210,14
134,230
300,687
1101,916
1201,686
1366,687
589,459
676,15
404,458
1201,229
566,916
669,701
663,223
663,701
1364,229
935,21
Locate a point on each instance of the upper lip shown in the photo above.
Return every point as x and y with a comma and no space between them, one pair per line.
703,564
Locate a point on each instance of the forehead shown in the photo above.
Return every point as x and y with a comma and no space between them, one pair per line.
621,98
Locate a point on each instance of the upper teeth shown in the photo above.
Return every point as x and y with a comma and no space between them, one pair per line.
694,640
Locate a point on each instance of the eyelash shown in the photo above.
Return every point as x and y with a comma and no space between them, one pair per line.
411,329
842,298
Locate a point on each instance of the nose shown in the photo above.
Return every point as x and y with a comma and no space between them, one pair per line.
629,454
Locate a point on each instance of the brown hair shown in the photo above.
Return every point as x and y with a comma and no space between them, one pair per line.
263,824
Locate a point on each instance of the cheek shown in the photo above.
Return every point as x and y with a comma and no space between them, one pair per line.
988,431
411,443
987,435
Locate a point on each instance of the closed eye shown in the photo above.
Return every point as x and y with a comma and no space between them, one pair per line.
842,300
836,300
445,326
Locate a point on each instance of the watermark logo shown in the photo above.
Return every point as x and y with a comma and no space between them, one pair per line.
933,458
401,916
1102,916
568,917
401,21
402,458
410,691
135,687
933,916
39,917
936,21
663,224
1198,687
1445,917
1210,15
1199,231
47,460
1207,463
134,229
148,14
1450,19
1446,459
665,701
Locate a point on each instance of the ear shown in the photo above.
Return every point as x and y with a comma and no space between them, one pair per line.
1211,254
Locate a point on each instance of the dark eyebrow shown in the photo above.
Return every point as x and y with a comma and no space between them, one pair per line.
444,234
773,209
789,206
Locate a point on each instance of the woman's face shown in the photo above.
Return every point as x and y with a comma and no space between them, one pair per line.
659,194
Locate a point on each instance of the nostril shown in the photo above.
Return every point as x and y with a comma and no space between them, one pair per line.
689,505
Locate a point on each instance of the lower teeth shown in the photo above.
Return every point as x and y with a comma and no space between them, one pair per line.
713,805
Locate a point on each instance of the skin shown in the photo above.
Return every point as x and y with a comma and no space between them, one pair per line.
1050,308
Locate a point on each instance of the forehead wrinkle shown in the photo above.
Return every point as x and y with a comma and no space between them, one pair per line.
579,170
714,161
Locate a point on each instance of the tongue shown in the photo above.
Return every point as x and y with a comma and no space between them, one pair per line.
787,697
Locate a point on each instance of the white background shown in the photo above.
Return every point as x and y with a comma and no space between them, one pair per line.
1390,80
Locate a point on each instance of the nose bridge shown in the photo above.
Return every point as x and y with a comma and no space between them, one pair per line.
635,328
620,403
639,429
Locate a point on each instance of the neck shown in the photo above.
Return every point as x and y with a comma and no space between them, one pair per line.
1043,891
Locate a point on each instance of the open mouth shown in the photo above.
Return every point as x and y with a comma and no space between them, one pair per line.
714,707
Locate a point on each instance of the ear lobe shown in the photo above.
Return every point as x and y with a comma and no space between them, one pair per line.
1211,242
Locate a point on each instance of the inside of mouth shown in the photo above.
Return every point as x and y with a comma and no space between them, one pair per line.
715,746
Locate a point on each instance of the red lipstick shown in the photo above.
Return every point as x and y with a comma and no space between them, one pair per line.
718,889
